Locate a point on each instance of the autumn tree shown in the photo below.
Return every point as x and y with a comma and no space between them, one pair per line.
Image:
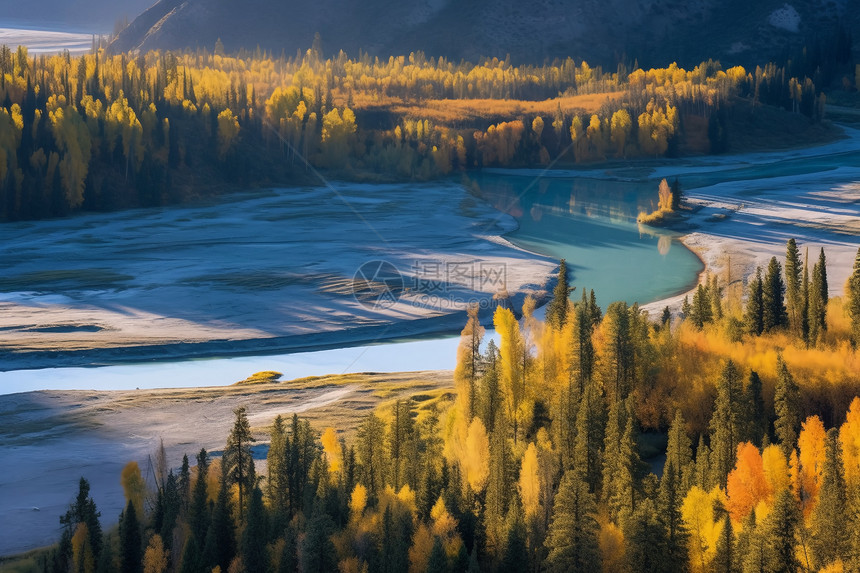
468,369
155,558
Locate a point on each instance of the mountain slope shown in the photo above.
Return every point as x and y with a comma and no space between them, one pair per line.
600,31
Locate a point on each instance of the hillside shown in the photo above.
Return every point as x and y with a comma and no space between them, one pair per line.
654,31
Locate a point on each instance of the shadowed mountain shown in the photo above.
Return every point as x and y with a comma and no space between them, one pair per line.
600,31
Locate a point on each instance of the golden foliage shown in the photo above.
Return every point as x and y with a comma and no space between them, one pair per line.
155,557
476,456
357,502
810,444
697,511
133,486
849,439
332,449
529,483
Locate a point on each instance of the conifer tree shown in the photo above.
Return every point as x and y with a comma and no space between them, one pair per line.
289,562
726,423
438,561
648,547
318,554
679,454
83,510
238,458
185,483
703,465
572,536
254,537
701,312
130,543
786,403
516,547
556,310
669,499
781,527
622,467
588,444
852,295
773,290
757,418
829,524
468,369
793,286
277,482
198,512
725,559
754,314
371,454
818,298
220,546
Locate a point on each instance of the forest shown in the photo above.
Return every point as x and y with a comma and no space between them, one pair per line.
536,462
103,132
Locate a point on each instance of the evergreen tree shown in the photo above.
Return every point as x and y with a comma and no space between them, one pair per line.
185,483
572,536
818,298
773,290
725,560
254,538
371,454
852,295
237,457
829,524
786,403
679,454
491,399
647,543
396,535
622,467
401,444
516,556
318,554
192,558
277,482
438,561
468,369
198,512
701,312
793,286
703,465
780,534
619,355
130,543
220,547
83,510
499,486
669,499
588,444
804,302
754,314
726,423
289,562
757,417
556,310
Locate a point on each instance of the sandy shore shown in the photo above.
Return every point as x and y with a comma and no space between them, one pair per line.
272,271
50,439
739,225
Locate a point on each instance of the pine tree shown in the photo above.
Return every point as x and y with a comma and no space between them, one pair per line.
754,314
757,417
556,310
701,312
254,538
277,482
618,356
622,467
371,454
786,403
130,543
726,423
318,554
198,511
438,561
829,523
185,483
516,555
780,533
676,194
468,369
647,543
83,510
289,562
793,286
679,454
237,457
572,536
396,535
818,298
852,295
725,558
220,546
773,290
192,558
804,302
588,444
703,465
169,504
669,499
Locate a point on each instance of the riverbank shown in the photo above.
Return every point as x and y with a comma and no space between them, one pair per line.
738,225
51,439
274,271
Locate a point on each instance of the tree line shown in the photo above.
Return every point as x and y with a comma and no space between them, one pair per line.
536,463
100,131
